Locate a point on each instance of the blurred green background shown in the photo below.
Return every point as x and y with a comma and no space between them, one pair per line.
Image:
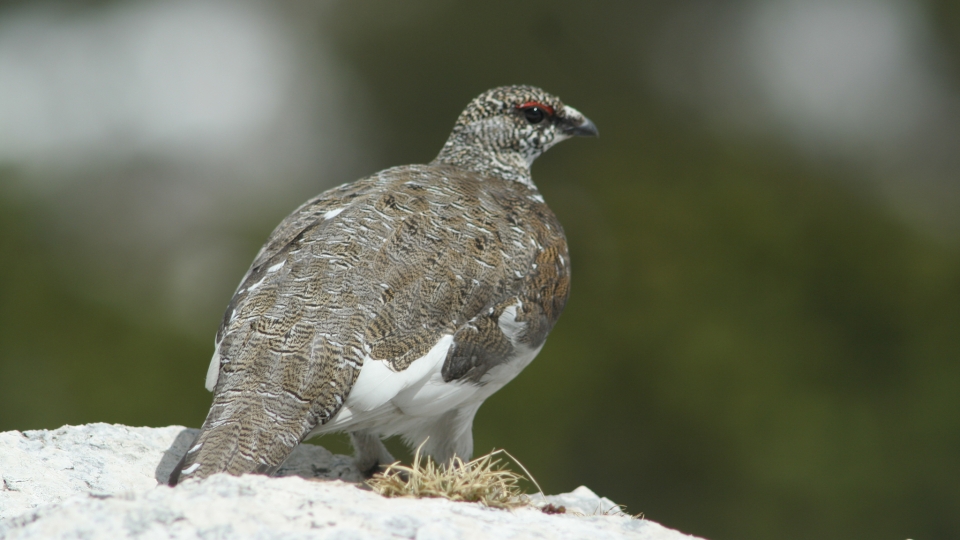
764,331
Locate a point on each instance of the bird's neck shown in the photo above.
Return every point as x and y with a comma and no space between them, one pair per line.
466,150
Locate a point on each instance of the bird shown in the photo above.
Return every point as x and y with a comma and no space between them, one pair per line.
395,304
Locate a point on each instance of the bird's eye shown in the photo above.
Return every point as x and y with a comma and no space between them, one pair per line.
534,115
535,112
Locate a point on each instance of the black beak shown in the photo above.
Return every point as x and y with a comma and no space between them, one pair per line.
584,128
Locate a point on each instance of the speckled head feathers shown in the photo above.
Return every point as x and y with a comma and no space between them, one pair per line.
505,100
503,130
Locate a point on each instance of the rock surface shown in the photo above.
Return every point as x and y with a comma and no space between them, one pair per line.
108,481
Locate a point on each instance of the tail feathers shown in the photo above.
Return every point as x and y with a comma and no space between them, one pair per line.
235,448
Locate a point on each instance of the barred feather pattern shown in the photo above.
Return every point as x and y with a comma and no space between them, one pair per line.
379,270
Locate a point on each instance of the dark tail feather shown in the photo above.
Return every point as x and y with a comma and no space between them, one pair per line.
237,446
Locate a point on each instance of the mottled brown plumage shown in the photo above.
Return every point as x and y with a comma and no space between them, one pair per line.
436,282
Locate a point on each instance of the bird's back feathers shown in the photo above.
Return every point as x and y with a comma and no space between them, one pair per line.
377,270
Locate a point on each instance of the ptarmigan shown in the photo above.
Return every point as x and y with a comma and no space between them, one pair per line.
396,304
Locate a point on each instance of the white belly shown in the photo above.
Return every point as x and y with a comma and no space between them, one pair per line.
396,402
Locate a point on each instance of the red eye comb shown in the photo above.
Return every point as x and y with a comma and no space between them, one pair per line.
546,108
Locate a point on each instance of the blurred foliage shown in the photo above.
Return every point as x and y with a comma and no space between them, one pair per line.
755,347
68,359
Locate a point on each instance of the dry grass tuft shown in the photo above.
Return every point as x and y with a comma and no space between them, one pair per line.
482,480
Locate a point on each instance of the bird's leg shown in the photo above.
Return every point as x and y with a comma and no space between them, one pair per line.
370,454
449,436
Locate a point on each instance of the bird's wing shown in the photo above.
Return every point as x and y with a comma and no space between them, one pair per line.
379,272
310,214
519,322
479,268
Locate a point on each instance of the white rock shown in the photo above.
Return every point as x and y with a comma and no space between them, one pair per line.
102,481
582,501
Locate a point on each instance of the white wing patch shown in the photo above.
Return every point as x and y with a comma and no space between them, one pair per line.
377,384
213,372
509,324
332,213
257,284
407,402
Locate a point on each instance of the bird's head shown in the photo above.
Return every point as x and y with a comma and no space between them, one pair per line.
504,129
